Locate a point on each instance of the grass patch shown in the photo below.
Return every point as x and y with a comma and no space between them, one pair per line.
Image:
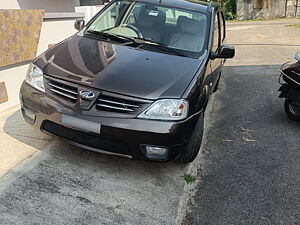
257,20
189,178
237,21
294,25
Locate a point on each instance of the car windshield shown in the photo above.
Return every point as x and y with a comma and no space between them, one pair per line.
177,29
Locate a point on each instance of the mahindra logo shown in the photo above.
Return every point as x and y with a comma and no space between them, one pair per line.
87,95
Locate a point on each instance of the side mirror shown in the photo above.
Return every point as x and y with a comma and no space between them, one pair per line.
297,56
224,52
79,24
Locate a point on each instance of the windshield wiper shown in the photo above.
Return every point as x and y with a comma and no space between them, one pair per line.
112,36
160,45
136,41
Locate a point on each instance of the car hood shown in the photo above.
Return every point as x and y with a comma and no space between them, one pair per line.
119,68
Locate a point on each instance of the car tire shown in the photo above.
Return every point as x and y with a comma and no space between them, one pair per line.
292,111
194,143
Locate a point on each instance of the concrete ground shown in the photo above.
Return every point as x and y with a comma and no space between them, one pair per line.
240,181
18,140
45,181
251,170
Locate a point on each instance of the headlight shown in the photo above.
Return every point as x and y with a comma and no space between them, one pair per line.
166,109
35,77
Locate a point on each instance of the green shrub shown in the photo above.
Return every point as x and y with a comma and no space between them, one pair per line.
228,7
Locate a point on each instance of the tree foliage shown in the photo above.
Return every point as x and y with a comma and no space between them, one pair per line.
228,7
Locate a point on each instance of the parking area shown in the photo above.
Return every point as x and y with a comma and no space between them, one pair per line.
46,181
247,171
251,173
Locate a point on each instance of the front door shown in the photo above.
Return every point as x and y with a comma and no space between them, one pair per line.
216,64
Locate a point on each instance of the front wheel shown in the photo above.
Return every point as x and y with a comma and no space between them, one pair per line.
194,143
292,110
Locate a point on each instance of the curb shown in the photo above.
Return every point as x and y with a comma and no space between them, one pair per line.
194,168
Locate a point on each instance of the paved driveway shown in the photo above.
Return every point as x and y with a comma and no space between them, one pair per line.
251,173
48,181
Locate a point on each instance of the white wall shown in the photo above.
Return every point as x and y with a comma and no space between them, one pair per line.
89,11
53,31
13,78
9,4
48,5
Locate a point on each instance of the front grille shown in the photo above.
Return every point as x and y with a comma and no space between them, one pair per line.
85,138
64,91
106,103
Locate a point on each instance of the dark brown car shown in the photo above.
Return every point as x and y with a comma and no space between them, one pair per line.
134,81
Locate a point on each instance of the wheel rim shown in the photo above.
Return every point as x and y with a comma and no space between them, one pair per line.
294,110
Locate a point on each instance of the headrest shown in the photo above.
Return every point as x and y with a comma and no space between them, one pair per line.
145,20
190,26
179,20
161,17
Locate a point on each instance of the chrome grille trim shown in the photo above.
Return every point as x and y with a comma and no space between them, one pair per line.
116,108
61,88
106,104
119,103
63,94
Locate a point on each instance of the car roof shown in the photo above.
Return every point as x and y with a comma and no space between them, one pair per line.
185,4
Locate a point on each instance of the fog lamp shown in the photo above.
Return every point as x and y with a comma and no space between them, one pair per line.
155,152
28,115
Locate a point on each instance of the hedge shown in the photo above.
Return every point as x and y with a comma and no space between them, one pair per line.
228,7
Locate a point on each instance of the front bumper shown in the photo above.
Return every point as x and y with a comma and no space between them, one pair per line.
117,135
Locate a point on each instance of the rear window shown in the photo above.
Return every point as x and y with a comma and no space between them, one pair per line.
172,15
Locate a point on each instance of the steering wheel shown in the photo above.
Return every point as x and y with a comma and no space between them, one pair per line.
135,29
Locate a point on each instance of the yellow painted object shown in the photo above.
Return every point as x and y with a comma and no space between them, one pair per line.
19,35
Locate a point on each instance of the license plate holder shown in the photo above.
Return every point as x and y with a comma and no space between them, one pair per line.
81,124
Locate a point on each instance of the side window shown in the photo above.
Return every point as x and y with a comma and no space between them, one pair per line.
222,26
107,20
216,42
